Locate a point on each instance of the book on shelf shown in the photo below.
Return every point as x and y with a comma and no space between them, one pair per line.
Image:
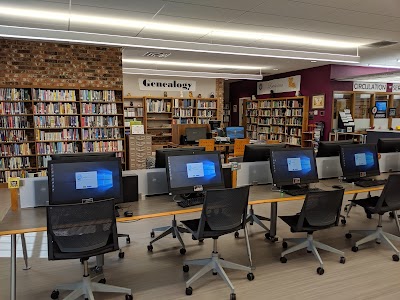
63,135
13,163
10,108
15,149
16,135
103,146
55,108
158,106
56,121
14,122
206,104
54,95
99,121
13,94
99,108
56,147
101,133
92,95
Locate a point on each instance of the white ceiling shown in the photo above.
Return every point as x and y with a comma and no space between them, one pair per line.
359,21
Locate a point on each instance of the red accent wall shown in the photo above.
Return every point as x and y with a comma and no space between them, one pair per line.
237,90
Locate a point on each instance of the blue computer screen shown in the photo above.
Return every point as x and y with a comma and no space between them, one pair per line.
381,106
359,158
235,132
71,182
187,171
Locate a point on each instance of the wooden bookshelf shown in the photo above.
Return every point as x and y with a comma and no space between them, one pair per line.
133,111
38,122
277,119
226,115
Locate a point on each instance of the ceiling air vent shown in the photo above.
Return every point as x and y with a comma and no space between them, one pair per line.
157,54
381,44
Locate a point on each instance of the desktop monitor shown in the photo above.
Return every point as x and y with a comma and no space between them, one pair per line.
387,145
194,134
259,152
161,154
381,106
194,173
74,181
291,166
214,124
359,160
331,148
235,132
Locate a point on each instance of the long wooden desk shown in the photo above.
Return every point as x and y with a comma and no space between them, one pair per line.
34,219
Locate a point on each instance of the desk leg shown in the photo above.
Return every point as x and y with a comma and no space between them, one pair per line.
27,267
271,235
13,277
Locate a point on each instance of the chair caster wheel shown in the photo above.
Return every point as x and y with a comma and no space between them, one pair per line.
121,254
55,294
215,273
128,240
128,297
189,291
395,257
369,216
308,251
391,215
201,241
354,249
233,296
283,260
271,238
185,268
103,281
345,209
284,245
250,276
182,251
343,221
348,235
320,271
152,234
378,242
236,234
150,248
193,238
342,260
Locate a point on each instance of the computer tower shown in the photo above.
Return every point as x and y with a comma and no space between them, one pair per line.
130,188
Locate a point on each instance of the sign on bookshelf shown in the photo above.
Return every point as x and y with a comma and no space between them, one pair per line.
149,84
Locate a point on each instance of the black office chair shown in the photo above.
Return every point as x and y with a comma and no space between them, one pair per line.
388,201
224,211
76,231
321,210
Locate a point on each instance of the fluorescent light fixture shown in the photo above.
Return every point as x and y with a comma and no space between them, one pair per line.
172,28
275,69
42,34
191,74
383,66
188,64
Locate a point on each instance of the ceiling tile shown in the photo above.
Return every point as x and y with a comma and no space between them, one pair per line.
336,4
230,4
199,12
252,18
149,6
381,7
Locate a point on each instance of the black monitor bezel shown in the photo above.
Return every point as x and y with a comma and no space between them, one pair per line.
65,160
250,149
81,155
177,150
188,190
357,175
214,122
289,181
388,143
327,144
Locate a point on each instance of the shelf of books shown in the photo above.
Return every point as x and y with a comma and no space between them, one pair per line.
206,110
252,119
36,123
277,119
133,111
159,120
227,115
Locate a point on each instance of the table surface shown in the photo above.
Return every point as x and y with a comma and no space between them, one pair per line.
34,219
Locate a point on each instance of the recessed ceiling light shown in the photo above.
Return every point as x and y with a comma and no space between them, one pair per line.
171,28
275,69
188,64
313,61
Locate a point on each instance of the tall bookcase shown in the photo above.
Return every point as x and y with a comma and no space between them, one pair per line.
133,111
206,110
159,119
227,115
39,122
278,119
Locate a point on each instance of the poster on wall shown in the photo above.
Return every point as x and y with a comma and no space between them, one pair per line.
287,84
151,84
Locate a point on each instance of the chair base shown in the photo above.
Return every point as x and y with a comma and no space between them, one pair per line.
86,288
174,229
311,245
377,235
217,265
253,218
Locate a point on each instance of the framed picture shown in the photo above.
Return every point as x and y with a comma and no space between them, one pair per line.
318,101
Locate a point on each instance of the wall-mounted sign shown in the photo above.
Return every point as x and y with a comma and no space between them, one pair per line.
287,84
392,112
369,86
149,84
396,88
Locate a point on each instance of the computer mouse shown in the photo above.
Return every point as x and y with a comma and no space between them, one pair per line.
338,187
128,214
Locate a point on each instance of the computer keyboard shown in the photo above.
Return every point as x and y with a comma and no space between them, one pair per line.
369,183
191,201
301,191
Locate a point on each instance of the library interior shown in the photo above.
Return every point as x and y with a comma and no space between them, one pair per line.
145,147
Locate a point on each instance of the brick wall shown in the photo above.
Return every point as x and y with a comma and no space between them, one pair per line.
25,63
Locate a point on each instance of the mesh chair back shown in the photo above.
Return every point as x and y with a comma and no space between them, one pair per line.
208,144
225,209
239,145
390,196
77,228
321,209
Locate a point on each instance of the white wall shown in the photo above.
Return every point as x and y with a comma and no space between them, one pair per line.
204,86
